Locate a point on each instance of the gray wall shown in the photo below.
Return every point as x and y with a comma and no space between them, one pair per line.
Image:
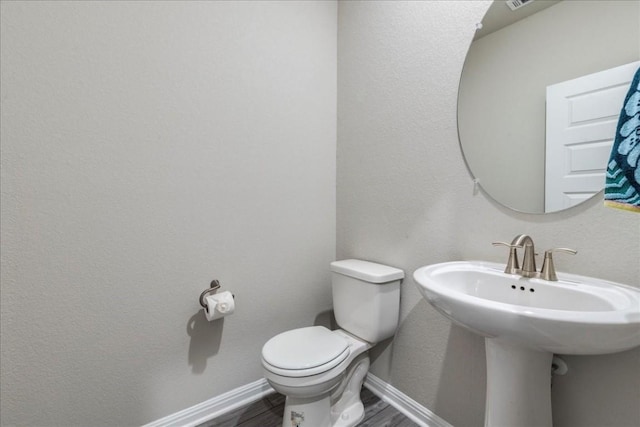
504,81
147,148
405,198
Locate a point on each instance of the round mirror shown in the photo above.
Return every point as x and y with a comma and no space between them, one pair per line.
535,141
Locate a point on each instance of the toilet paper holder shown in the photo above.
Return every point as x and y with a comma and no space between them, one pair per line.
215,285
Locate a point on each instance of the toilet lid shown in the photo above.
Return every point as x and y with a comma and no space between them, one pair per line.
306,348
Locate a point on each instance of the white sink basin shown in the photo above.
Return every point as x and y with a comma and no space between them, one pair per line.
524,321
575,315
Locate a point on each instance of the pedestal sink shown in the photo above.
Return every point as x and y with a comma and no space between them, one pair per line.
526,320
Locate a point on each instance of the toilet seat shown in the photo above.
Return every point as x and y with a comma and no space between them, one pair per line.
305,352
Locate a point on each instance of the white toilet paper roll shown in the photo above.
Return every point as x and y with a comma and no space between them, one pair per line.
219,305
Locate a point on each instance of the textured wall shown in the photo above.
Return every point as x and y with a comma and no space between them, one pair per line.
148,147
405,198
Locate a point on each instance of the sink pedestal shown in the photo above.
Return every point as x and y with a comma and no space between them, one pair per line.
518,385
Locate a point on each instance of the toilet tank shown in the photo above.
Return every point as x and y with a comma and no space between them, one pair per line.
366,298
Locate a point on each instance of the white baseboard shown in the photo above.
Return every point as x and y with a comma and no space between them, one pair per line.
244,395
216,406
403,403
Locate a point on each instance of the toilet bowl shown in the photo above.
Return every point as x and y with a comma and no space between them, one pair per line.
321,371
313,389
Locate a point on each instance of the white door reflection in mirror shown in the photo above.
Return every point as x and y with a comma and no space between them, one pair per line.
582,115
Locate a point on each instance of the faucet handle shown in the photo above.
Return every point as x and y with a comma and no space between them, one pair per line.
505,244
513,266
548,271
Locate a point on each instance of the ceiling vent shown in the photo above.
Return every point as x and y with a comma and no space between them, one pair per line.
517,4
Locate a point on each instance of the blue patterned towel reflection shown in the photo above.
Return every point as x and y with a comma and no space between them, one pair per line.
622,187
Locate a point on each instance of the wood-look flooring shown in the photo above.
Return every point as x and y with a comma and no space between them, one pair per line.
267,412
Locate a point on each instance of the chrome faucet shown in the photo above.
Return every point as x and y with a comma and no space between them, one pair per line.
529,259
528,269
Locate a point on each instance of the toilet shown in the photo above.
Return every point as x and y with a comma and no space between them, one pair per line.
321,371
